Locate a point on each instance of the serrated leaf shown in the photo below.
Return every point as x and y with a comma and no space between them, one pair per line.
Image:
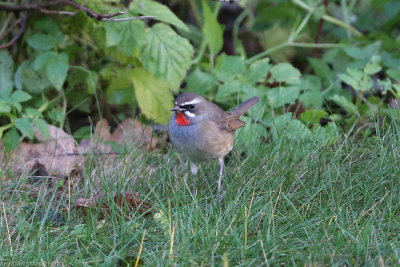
25,127
42,59
345,104
42,42
283,95
6,70
126,37
230,67
57,69
153,95
43,127
312,116
20,96
285,72
212,31
162,12
11,140
258,71
167,55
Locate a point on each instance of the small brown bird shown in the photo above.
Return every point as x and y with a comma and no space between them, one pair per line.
202,131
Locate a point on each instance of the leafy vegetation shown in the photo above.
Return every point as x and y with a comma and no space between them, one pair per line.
320,186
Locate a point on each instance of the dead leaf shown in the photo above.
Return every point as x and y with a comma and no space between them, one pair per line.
58,154
130,131
129,200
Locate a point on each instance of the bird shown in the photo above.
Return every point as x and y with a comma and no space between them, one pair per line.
202,131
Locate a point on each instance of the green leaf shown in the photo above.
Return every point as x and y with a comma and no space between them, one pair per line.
322,69
345,104
57,69
297,130
42,59
394,74
211,29
4,106
312,116
120,90
6,70
285,72
258,71
31,81
41,41
56,115
230,67
252,134
25,127
227,89
11,140
47,25
372,68
153,95
167,55
43,127
283,95
127,37
20,96
162,12
312,99
200,82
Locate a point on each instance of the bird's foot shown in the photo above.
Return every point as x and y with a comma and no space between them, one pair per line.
219,197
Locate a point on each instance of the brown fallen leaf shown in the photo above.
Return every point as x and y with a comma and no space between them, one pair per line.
128,199
128,132
58,154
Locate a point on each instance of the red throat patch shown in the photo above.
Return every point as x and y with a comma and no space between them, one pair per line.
181,119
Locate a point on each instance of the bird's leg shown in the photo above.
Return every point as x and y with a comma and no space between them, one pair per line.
220,194
193,170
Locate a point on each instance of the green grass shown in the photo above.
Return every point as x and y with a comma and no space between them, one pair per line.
286,203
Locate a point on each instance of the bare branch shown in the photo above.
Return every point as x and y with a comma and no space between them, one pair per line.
9,30
42,7
57,12
24,19
130,18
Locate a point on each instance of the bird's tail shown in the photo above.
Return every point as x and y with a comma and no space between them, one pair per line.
242,108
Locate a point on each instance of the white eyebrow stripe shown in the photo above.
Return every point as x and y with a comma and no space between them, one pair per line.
194,101
189,114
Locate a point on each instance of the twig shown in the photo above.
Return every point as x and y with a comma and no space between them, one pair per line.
57,12
24,18
42,7
317,51
10,29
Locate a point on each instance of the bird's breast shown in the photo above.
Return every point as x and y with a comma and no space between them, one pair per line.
200,141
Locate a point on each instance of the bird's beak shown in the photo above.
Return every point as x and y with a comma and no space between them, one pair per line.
175,108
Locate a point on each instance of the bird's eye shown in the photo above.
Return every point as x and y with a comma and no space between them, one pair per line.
191,107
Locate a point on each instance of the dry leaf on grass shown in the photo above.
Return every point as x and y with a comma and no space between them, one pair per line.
58,154
128,201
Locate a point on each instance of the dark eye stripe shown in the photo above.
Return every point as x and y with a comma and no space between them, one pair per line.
189,107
